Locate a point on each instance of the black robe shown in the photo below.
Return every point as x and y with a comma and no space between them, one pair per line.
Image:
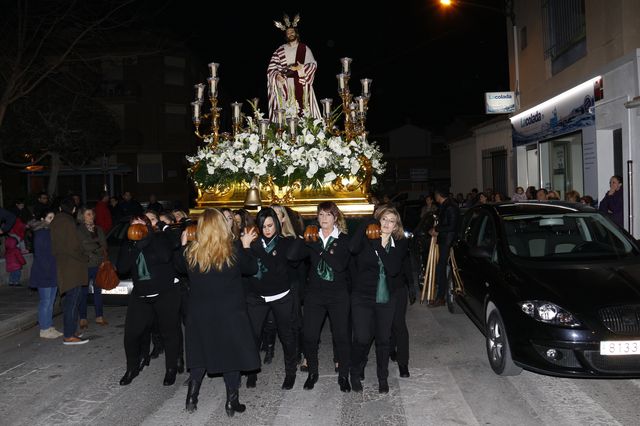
218,332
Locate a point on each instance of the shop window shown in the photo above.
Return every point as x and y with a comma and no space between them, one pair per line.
561,164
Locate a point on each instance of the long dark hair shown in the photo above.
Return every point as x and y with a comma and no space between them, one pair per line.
264,214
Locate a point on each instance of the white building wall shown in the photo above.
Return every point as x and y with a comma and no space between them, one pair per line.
464,165
496,136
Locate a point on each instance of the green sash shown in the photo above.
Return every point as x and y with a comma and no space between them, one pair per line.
324,270
143,271
268,248
382,291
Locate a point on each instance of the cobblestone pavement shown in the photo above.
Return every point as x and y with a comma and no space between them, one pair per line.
45,383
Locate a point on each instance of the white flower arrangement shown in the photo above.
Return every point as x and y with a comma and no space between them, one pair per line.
314,159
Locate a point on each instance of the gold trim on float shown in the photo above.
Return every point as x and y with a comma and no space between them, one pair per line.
351,197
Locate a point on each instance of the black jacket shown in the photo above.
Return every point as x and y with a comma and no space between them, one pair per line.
279,275
448,219
366,262
337,257
158,254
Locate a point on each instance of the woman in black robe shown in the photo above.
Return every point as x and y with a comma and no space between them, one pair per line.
219,338
380,250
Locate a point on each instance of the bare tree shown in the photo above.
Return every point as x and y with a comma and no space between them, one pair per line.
41,39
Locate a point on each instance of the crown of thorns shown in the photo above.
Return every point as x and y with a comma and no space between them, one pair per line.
287,23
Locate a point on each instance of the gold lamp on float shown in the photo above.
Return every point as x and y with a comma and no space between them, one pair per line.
252,198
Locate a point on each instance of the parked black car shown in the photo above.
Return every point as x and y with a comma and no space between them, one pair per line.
554,286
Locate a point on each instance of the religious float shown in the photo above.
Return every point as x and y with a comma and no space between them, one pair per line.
298,156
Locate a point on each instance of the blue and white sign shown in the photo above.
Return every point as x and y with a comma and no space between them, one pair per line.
564,113
500,102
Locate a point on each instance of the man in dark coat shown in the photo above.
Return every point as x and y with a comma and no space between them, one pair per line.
7,219
72,266
446,231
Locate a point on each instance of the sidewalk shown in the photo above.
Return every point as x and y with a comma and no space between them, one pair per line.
19,309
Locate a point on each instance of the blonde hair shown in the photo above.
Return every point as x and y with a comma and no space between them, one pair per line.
213,247
287,226
398,234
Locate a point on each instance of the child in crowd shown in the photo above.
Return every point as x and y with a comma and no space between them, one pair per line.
13,261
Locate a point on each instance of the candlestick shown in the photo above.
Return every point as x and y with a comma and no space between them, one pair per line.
293,128
235,108
366,86
326,107
195,106
199,92
346,63
213,87
213,69
342,82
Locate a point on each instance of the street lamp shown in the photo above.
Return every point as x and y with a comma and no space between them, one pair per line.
509,13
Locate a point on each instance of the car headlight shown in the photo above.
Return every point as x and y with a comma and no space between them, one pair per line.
548,313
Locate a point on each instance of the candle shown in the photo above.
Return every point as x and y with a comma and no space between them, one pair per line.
342,82
360,103
235,108
352,107
199,92
195,106
366,86
326,107
264,125
280,118
346,62
213,87
293,127
213,69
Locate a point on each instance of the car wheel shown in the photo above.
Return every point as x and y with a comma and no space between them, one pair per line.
498,350
450,295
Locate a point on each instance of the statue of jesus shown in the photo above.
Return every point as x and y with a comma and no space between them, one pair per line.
290,74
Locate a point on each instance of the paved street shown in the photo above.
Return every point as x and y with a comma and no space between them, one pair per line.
45,383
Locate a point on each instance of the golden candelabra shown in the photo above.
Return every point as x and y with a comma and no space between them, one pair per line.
353,192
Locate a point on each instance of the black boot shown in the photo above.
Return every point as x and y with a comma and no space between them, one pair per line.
170,377
343,381
383,386
180,365
311,381
252,379
289,381
128,377
268,356
192,395
356,384
404,370
233,403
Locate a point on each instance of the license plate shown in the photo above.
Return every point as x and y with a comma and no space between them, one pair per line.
620,347
118,290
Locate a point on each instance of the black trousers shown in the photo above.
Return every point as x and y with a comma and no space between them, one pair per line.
231,378
371,320
284,315
140,316
399,330
317,304
444,245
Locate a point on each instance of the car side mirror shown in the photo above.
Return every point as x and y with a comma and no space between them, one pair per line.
479,253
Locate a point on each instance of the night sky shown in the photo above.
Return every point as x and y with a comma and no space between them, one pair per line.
427,65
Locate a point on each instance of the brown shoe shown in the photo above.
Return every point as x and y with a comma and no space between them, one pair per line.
436,303
84,324
101,321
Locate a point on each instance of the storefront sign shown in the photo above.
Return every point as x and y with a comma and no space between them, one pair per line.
500,102
564,113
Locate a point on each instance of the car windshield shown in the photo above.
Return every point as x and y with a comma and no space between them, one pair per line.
565,236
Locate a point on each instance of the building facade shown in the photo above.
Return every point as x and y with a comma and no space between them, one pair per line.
578,70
